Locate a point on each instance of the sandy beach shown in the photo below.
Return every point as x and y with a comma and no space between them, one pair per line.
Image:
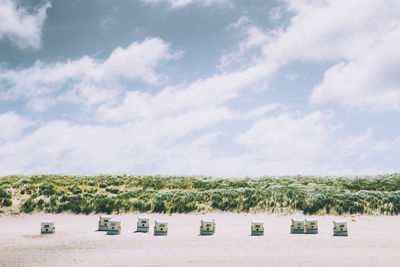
372,241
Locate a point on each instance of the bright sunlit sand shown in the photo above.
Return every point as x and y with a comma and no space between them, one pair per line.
372,241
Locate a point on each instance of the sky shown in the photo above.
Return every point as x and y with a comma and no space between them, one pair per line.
228,88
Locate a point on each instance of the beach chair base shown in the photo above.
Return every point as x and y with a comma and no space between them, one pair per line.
160,233
113,232
257,233
142,229
340,233
103,228
206,232
311,231
297,231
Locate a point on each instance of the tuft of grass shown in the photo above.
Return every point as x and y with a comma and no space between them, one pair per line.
183,194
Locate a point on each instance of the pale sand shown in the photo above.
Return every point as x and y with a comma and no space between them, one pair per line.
372,241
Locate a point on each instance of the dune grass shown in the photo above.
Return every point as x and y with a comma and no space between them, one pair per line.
184,194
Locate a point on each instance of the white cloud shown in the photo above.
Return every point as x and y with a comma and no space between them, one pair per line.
41,103
289,137
59,146
136,133
260,111
146,132
21,27
275,14
241,22
370,83
86,80
292,143
211,92
251,39
360,38
12,126
287,143
180,129
175,4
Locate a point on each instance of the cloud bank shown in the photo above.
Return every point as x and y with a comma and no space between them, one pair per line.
175,4
20,26
86,80
205,126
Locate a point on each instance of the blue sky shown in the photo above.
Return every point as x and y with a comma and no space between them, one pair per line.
214,87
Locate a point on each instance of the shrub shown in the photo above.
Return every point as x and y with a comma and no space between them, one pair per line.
75,190
28,206
53,200
112,190
4,194
47,189
40,203
80,194
7,202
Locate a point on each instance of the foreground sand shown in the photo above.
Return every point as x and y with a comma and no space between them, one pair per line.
372,241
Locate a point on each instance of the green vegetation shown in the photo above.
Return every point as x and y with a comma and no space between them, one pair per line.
5,198
123,194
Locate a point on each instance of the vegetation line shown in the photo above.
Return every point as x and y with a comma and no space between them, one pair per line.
184,194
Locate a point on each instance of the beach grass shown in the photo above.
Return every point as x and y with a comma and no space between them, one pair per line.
185,194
